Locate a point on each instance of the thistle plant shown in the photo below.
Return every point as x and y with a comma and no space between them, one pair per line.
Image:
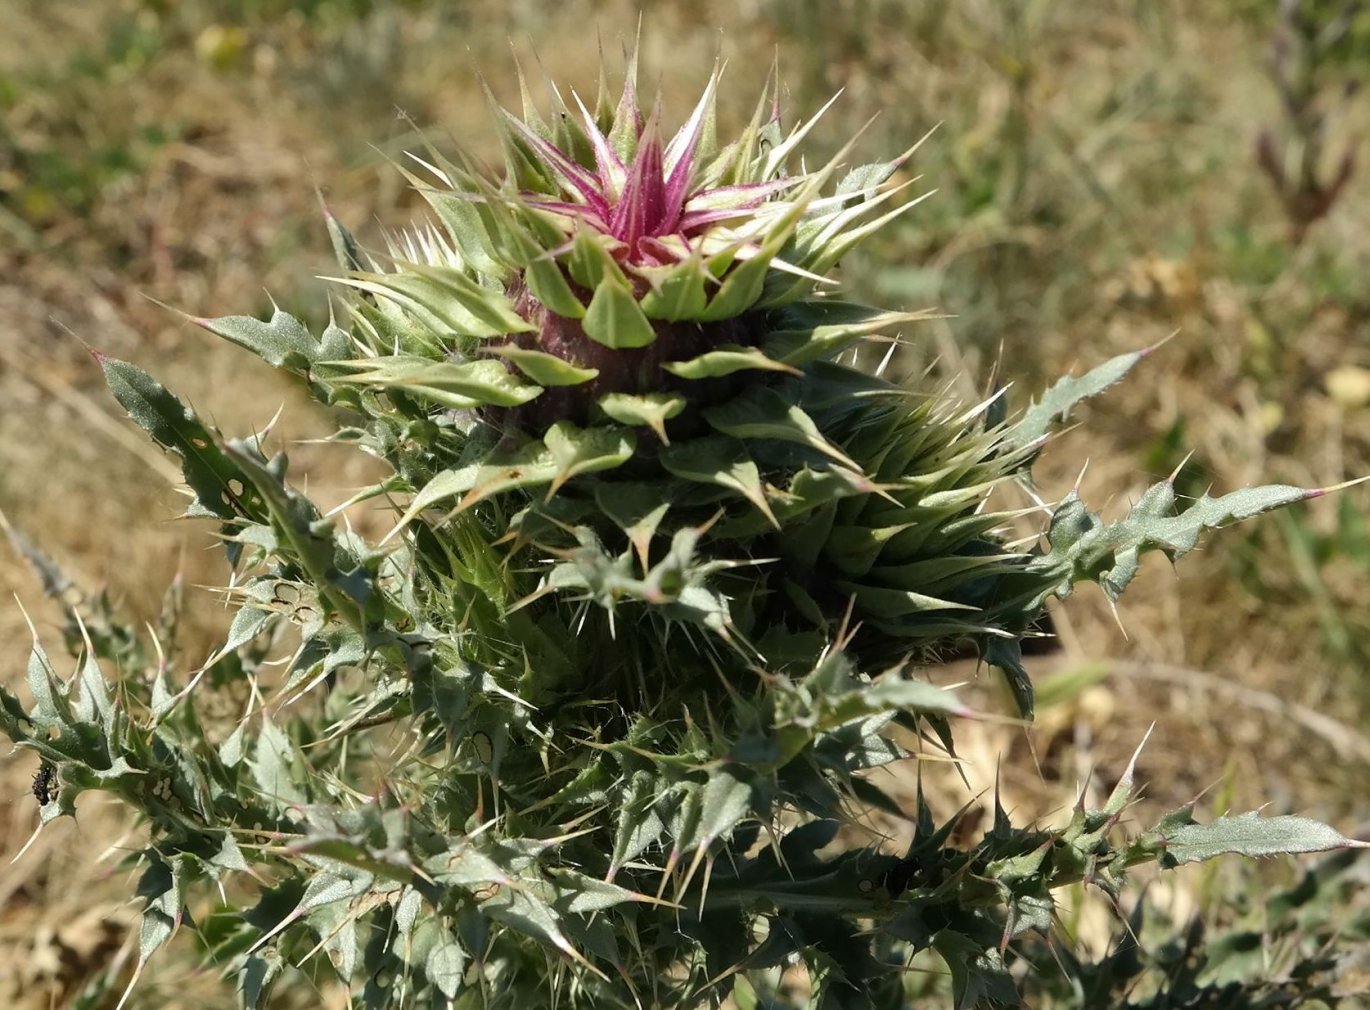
665,573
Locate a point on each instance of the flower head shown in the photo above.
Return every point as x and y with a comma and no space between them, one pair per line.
617,275
652,204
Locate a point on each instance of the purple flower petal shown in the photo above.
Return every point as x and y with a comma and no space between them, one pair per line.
642,207
680,152
577,211
578,177
612,172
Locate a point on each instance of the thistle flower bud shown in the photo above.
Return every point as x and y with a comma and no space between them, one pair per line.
617,275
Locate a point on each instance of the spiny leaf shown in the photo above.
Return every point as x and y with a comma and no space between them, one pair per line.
651,410
726,800
591,264
865,179
282,341
547,282
161,889
450,303
1058,401
344,245
892,693
820,331
1083,548
586,450
220,486
637,509
459,385
615,319
543,368
51,708
638,824
726,360
1006,655
723,462
677,292
1250,834
762,412
464,223
883,601
339,579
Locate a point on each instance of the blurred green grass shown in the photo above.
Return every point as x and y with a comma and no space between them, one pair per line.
1098,189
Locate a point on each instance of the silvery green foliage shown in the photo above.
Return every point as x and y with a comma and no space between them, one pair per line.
583,729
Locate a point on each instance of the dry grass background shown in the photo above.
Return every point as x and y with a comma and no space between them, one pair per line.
1097,191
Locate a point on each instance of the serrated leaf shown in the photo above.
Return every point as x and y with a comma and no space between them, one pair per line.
282,341
1083,548
1057,403
219,485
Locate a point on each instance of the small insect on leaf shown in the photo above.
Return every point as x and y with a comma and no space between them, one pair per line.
43,782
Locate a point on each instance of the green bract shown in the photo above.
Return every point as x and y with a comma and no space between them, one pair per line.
581,729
